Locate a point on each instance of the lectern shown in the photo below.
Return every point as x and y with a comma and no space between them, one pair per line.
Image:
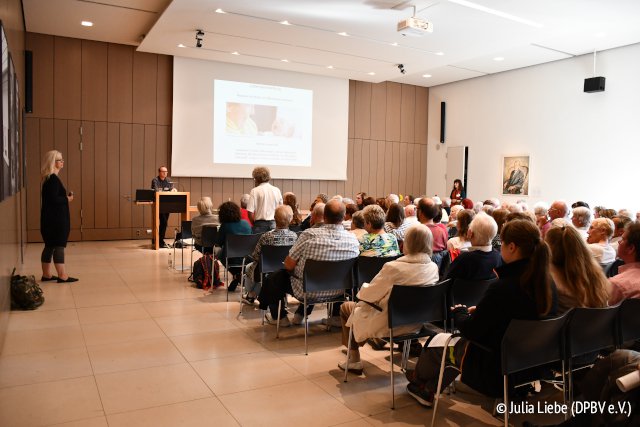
169,202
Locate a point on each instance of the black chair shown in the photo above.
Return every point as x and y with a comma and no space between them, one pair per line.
186,239
611,269
589,331
271,260
467,292
526,344
320,276
629,322
368,267
410,305
238,246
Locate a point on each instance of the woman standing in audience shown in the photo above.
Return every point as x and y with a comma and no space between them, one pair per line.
579,280
459,242
205,207
55,221
524,290
231,223
377,242
457,193
599,237
414,268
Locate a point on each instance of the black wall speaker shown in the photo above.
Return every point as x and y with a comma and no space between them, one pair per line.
442,121
594,84
28,81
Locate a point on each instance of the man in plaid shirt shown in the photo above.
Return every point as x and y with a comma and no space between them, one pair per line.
329,242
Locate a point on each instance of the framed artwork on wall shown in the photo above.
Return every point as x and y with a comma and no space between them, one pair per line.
5,159
515,175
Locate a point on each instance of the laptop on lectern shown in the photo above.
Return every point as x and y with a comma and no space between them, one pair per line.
145,195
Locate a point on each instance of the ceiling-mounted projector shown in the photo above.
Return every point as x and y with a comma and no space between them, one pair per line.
414,27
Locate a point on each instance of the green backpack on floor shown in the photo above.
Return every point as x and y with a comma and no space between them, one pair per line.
25,292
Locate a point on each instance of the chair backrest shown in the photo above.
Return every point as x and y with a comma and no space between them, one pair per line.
611,269
591,329
185,229
209,235
368,267
241,245
328,275
409,305
272,258
468,292
530,343
629,320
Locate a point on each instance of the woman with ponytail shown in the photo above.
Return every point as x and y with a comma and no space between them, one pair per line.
524,290
579,279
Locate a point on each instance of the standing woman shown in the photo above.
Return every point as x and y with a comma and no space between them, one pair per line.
54,218
458,193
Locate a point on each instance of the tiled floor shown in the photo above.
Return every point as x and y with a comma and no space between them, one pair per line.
133,344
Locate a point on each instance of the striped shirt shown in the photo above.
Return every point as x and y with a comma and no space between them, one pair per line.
277,237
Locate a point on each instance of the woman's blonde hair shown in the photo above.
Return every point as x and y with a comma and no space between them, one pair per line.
581,274
49,163
205,205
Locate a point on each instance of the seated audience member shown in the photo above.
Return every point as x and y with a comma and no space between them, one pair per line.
377,242
320,198
541,211
410,215
580,203
523,205
316,218
600,234
500,216
477,207
619,223
360,199
479,260
581,219
527,216
244,213
427,211
230,223
408,200
290,200
558,209
626,284
597,210
488,209
446,205
357,225
350,209
382,202
467,203
608,213
414,268
205,207
524,290
281,236
452,224
579,280
391,199
395,222
328,242
625,212
513,208
368,201
461,241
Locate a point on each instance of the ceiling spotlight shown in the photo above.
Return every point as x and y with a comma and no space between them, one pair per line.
439,53
330,67
401,68
235,52
394,44
285,22
371,73
343,34
498,58
426,76
181,45
218,10
199,38
284,60
86,24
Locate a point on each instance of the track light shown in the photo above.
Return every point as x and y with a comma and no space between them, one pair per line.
199,38
401,68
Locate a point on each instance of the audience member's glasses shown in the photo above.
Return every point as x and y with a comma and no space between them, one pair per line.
59,160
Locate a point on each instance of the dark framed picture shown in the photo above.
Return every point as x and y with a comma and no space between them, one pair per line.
5,160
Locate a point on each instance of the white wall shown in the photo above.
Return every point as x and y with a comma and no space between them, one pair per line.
583,146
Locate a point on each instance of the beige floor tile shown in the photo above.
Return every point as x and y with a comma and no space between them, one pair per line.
112,313
40,340
114,332
90,422
196,413
215,344
56,297
50,403
303,402
24,320
322,358
357,423
101,296
147,294
193,324
150,387
21,369
133,355
181,307
246,372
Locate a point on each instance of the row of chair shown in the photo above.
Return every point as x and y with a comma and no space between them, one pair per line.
564,341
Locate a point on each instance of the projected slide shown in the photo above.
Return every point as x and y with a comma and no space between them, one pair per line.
261,124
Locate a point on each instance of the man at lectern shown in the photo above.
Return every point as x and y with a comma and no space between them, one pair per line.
162,183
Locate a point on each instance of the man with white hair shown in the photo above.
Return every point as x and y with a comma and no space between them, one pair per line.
410,215
391,199
581,219
479,260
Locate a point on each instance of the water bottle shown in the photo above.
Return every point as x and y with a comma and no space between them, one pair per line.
170,262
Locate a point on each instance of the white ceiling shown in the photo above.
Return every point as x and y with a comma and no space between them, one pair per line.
463,44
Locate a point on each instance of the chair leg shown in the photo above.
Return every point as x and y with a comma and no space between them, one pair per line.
346,363
437,390
306,326
506,401
393,390
329,311
241,285
226,276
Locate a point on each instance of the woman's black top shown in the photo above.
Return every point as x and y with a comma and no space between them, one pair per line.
54,213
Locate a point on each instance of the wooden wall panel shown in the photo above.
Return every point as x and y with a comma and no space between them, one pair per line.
372,182
164,104
113,175
352,108
125,177
357,166
363,110
378,111
380,173
94,80
67,72
120,82
32,135
150,165
73,165
394,99
365,164
138,180
403,187
417,171
407,113
42,47
421,114
145,82
88,198
60,143
100,171
408,164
